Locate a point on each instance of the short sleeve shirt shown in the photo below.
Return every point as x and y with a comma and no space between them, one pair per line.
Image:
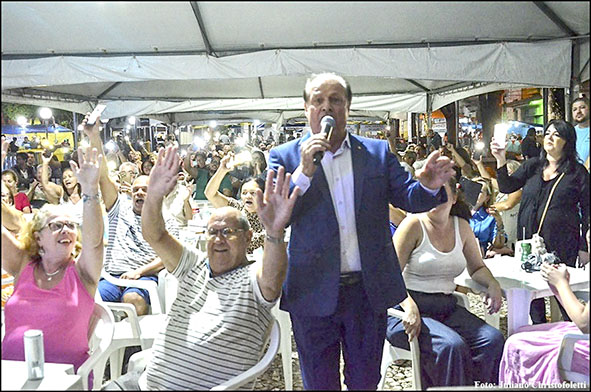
215,329
127,249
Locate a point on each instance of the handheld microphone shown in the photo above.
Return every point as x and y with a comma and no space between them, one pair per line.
327,125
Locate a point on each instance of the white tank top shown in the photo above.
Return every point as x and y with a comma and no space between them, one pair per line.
430,271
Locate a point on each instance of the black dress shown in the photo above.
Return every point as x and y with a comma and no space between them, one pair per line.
567,219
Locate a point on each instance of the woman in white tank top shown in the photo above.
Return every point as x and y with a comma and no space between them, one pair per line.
457,347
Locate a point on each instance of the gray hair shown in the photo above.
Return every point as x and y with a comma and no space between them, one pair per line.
49,171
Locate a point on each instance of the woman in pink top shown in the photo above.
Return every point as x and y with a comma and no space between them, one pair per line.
531,354
55,275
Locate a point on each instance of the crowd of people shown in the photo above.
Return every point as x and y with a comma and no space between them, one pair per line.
372,226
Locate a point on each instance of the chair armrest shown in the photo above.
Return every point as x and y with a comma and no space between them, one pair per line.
151,287
415,350
139,361
132,316
259,368
90,365
567,345
463,299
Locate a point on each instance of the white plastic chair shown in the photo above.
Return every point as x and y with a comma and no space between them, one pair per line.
133,330
565,357
285,347
152,288
100,335
391,353
167,289
139,361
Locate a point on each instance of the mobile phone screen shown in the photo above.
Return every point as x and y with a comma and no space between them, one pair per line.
471,190
98,110
500,134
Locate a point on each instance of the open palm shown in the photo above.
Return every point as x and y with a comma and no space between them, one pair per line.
164,174
274,207
88,172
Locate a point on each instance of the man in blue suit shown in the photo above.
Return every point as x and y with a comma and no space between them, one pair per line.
342,272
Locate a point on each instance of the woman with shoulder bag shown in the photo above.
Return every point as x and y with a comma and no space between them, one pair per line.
555,198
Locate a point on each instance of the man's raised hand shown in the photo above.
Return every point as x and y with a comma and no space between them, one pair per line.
164,174
438,169
274,207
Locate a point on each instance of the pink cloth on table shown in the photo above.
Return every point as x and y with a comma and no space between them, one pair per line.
531,354
62,313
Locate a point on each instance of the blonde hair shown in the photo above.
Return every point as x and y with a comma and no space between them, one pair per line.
486,186
40,219
512,165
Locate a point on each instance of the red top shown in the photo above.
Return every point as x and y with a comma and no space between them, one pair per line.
21,201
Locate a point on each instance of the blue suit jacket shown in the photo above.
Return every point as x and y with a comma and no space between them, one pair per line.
311,287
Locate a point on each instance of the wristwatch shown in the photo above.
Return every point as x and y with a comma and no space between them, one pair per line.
274,240
86,197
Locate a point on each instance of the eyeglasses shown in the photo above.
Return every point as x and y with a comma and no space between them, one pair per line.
59,226
227,233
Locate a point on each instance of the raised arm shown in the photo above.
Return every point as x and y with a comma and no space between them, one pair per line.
90,262
274,209
512,200
498,152
52,191
217,198
392,143
108,188
193,172
163,178
12,218
14,255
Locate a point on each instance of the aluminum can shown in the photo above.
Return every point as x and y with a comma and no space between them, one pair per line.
34,354
525,251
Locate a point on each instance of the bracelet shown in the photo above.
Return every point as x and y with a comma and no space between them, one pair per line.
86,197
274,240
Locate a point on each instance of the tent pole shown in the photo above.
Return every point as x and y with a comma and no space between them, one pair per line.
429,110
545,105
75,123
409,126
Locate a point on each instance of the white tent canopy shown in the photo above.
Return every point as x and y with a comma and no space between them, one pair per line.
196,60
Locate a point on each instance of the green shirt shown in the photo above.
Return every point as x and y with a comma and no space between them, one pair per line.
202,180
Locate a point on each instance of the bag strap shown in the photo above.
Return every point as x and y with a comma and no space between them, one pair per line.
548,203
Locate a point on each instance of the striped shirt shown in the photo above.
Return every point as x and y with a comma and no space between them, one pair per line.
127,250
215,328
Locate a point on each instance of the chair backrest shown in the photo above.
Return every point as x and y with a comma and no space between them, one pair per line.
100,336
565,358
100,331
139,362
151,287
260,367
167,289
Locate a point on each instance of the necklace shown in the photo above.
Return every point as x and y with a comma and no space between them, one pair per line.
51,275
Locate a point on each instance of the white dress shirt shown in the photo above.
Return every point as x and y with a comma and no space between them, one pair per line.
338,168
